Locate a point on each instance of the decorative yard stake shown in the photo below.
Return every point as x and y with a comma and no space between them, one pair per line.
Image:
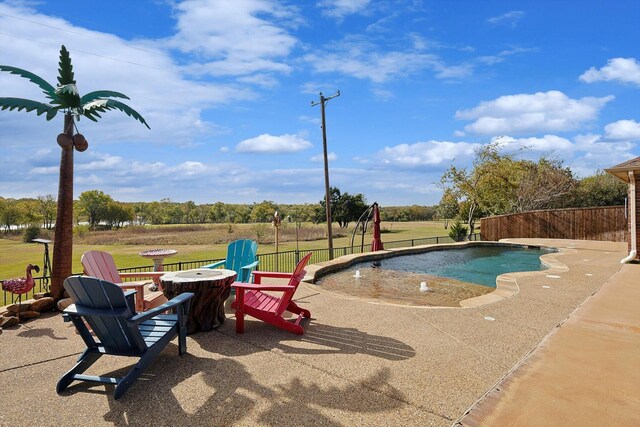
276,223
65,97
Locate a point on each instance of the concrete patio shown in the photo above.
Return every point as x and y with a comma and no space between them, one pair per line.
361,363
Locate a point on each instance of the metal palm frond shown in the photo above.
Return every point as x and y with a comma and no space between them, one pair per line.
66,96
28,105
65,69
98,94
48,89
91,109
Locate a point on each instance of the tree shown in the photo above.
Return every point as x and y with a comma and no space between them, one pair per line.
29,213
458,232
117,214
499,183
218,212
94,204
190,212
65,98
47,208
601,189
344,207
543,185
10,215
448,207
349,208
263,212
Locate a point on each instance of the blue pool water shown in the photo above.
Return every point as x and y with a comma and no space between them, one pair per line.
480,265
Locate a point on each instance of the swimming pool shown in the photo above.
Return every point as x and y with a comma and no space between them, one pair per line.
440,276
480,265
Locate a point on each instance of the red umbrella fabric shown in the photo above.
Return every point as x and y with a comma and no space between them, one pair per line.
376,243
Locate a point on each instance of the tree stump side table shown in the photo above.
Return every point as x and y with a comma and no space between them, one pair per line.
211,288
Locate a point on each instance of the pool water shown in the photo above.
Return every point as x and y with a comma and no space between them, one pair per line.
480,265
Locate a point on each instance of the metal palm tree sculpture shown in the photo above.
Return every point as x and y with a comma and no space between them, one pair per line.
65,97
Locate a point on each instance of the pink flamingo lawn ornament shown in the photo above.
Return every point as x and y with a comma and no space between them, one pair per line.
21,285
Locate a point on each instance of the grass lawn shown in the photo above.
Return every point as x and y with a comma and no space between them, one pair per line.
191,245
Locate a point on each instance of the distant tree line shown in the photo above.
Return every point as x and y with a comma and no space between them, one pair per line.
497,183
100,211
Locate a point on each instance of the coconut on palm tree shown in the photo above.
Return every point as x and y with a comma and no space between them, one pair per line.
65,97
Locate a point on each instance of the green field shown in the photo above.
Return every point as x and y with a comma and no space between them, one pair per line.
191,242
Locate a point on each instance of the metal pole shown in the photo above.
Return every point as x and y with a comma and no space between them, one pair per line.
327,198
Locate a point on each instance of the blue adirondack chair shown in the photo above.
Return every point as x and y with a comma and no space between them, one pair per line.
241,257
120,331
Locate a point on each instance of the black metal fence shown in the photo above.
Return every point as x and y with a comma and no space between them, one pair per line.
275,261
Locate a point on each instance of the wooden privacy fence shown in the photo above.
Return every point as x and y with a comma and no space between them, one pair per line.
601,223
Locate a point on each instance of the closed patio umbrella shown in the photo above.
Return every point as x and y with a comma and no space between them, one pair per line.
376,243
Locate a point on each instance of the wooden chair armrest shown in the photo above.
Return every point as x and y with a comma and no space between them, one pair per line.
143,274
258,275
259,287
75,310
252,265
215,264
173,302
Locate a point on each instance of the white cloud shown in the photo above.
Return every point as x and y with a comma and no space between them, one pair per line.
547,143
625,70
363,63
144,70
510,18
364,60
623,130
341,8
320,157
550,111
431,153
502,55
382,94
236,37
266,143
593,153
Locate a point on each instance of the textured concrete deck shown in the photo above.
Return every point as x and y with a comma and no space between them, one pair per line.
361,363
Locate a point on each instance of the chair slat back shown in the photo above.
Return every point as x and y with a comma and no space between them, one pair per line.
114,332
298,274
100,264
240,253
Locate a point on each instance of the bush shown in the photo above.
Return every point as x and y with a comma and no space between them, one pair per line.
30,233
458,232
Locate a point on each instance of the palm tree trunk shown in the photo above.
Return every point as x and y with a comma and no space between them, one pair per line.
63,237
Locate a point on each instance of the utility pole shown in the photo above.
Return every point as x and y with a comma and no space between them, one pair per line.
327,199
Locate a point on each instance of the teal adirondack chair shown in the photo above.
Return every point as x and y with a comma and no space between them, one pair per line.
241,257
119,330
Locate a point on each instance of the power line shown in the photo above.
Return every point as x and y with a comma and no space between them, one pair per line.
58,28
86,52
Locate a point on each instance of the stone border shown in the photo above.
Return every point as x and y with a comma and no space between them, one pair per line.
506,284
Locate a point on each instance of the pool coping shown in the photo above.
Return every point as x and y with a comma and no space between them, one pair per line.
506,283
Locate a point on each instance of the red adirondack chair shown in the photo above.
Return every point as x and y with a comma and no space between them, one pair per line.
253,301
101,265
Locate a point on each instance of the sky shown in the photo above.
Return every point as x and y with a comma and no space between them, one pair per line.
227,88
